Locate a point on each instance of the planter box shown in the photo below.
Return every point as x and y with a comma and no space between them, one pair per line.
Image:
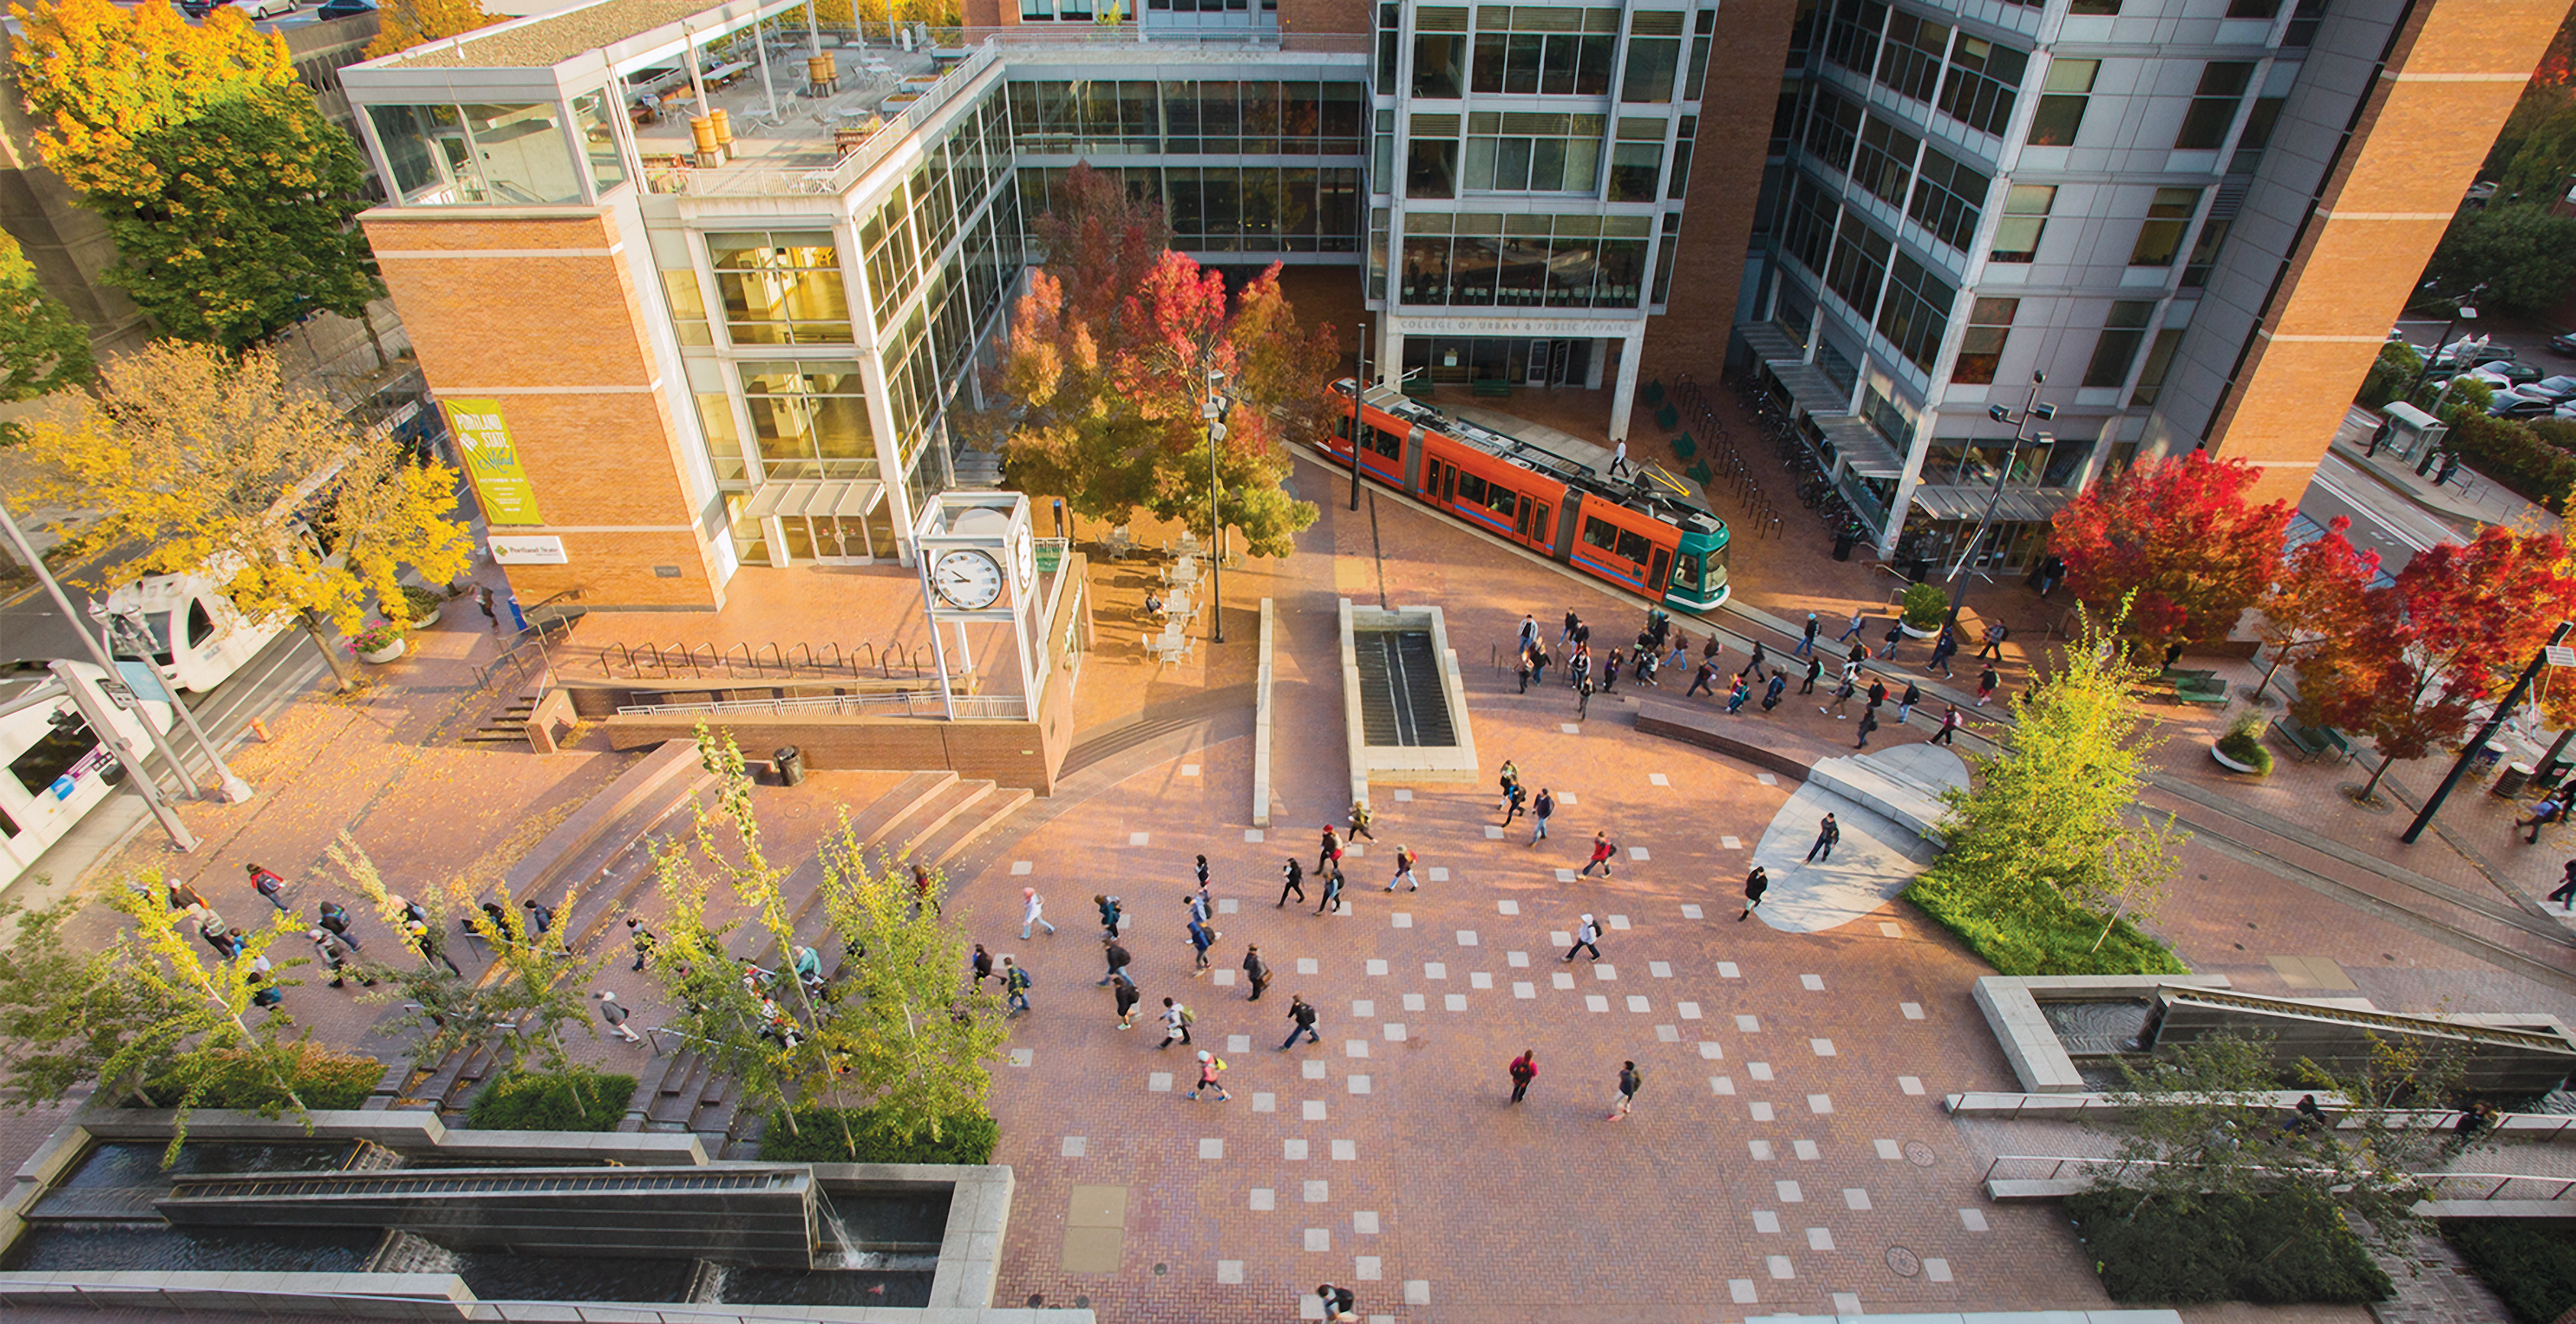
1912,633
2230,764
387,653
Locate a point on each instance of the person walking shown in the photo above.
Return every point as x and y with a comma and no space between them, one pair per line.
269,885
644,939
483,600
1340,1307
1540,661
541,921
1603,851
1630,1080
425,941
1210,1067
1705,679
2565,896
1176,1024
1292,881
1529,632
1905,705
335,917
336,956
1815,672
1996,633
1619,457
1197,902
1108,908
1015,988
1895,636
1587,937
1877,693
1759,657
1328,855
1201,938
1404,871
1853,629
1117,958
1332,892
1949,732
614,1012
1868,723
1033,913
1127,997
1583,700
1842,698
979,965
1735,697
1807,642
1828,832
1524,1069
185,896
1504,781
1523,671
1771,692
1256,971
1566,636
1942,648
1610,672
1540,811
1359,821
1301,1017
1986,684
1755,884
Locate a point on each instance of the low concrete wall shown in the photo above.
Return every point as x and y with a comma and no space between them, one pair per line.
1409,764
2038,1060
979,1218
1692,726
405,1132
1022,754
1261,725
346,1295
1354,736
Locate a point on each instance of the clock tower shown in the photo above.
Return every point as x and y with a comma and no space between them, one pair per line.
978,564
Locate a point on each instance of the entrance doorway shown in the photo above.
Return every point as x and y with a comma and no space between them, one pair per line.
1520,362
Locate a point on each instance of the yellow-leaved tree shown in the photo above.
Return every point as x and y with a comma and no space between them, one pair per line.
100,77
403,24
194,462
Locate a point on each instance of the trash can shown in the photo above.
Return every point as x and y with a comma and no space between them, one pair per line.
2515,777
791,765
2488,757
1843,544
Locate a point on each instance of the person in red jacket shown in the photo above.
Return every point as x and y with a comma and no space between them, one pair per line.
1602,851
1524,1070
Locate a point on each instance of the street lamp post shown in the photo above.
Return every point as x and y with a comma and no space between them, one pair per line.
2460,765
138,639
2461,310
1359,392
2032,411
1214,411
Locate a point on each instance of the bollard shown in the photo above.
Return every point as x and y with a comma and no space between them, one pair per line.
260,729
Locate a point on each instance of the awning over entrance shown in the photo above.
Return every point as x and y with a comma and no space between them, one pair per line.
1829,405
847,497
2018,505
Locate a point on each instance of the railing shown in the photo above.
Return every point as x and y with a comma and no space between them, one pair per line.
2435,1182
838,178
516,658
2007,1105
908,703
650,661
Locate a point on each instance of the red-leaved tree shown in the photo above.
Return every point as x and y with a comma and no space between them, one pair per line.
2446,640
2180,536
2318,595
1106,368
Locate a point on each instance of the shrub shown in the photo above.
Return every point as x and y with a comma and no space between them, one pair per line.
869,1135
2531,1265
2515,456
2397,365
2283,1248
2057,939
422,601
1925,605
2244,742
325,1080
376,638
575,1099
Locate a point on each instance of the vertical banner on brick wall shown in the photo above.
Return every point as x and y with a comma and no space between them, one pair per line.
492,462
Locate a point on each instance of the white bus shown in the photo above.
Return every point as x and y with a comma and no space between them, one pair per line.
199,637
56,768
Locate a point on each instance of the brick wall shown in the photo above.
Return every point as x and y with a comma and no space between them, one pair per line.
542,315
1726,181
1020,754
2452,78
1325,16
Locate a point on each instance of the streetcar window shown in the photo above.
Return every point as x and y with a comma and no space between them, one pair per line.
201,626
1471,489
1501,500
1686,571
1601,533
1342,426
1633,546
1383,442
53,755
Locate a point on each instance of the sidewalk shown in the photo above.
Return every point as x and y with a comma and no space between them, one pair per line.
2469,500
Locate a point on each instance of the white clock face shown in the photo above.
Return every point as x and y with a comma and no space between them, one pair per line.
1023,558
967,579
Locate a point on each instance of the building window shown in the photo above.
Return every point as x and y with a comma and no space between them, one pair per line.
2262,9
2160,236
1654,57
1034,11
688,307
1948,198
1518,152
1910,63
1859,264
809,419
1784,123
1808,232
1439,53
1851,37
2213,105
1981,349
1431,157
1636,172
1377,252
1545,50
1697,79
2256,135
2122,333
1833,129
1665,250
2151,378
1686,134
2304,22
2063,94
1916,313
780,288
1983,78
1390,23
1885,162
2025,219
2204,252
2095,8
1487,260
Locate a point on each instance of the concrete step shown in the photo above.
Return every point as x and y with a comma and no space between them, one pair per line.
874,825
1901,800
939,811
585,842
945,845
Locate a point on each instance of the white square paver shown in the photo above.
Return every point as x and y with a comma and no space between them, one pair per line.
1318,1192
1846,1303
1211,1149
1229,1271
1766,1222
1254,835
1417,1292
1560,938
1565,875
1376,967
1467,937
1310,1306
1265,1103
1569,728
1021,867
1749,1024
1619,922
1454,1001
1365,1222
1400,920
1761,1111
1761,1149
1264,1199
1413,1002
1439,874
1711,1049
1889,1149
1139,838
1314,1070
1820,1238
1822,1105
1779,1266
1522,988
1855,1198
1596,1002
1229,906
1561,980
1692,912
1658,779
1507,907
1293,1150
1493,833
1311,1110
1726,970
1403,796
1238,1043
1516,960
1668,1034
1480,979
1913,1010
1160,1082
1225,979
1721,1084
1355,1048
1306,966
1660,969
1566,798
1766,779
1804,1149
1788,1192
1637,853
1889,929
1354,849
1938,1270
1362,1008
1435,970
1604,970
1731,843
1812,983
1074,1146
1758,1070
1189,770
1910,1084
1021,1057
1319,1239
1346,1150
1368,1268
1394,1031
1823,1047
1636,1003
1973,1219
1359,1084
1741,1290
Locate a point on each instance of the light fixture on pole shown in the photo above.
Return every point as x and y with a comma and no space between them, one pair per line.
2032,411
1218,405
130,626
2460,311
1359,391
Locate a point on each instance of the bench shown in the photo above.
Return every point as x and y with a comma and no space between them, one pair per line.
1491,386
2312,741
1419,388
2211,691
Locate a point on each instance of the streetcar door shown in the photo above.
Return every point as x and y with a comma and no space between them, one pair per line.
1540,533
1522,529
1662,566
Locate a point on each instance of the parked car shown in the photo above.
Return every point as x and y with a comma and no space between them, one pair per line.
2508,372
253,9
344,9
2565,344
2509,405
2561,388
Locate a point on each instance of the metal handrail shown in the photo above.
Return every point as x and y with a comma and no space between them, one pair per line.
2507,1126
2058,1165
914,703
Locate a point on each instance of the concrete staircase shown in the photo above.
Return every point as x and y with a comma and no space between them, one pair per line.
1902,784
509,726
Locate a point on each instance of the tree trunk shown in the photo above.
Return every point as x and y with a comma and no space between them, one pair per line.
313,630
2372,788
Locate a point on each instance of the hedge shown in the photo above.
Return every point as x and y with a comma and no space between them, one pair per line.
575,1099
2516,456
2021,939
2532,1265
325,1080
867,1135
2283,1248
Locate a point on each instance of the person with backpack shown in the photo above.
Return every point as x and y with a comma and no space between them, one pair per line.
1771,692
1015,987
1210,1066
1108,907
1986,681
1301,1015
645,941
1942,649
1332,892
335,917
1587,935
1118,960
1292,881
1735,698
1828,834
1329,853
1815,672
979,965
1176,1024
269,884
1540,811
1360,821
1524,1069
1755,884
1514,797
614,1014
1201,938
266,994
1949,732
1033,913
1994,645
1603,851
1339,1305
1404,858
1905,705
1807,642
1630,1080
336,956
1127,997
1703,680
1256,971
